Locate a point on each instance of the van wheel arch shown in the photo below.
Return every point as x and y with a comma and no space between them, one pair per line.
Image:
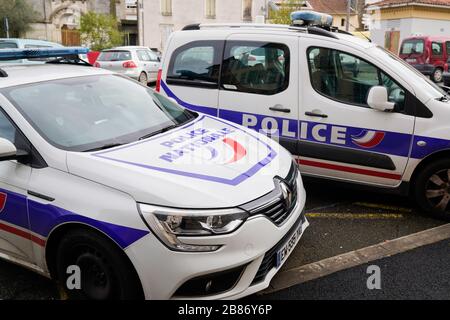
430,185
58,234
425,162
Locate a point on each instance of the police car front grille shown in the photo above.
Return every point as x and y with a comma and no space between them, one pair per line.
273,205
270,258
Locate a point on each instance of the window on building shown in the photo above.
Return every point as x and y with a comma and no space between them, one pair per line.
348,79
196,64
255,67
166,7
131,4
436,48
342,22
210,9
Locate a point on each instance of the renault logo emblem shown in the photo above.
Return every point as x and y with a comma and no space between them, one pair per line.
286,194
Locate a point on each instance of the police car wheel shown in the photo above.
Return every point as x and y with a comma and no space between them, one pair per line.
105,272
437,75
143,78
432,189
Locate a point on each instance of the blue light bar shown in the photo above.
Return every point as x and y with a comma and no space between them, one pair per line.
15,54
311,18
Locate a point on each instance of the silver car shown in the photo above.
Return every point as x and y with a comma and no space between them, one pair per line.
139,63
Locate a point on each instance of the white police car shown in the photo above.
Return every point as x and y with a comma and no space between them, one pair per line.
349,110
102,176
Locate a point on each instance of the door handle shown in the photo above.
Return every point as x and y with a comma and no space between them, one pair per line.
280,108
314,114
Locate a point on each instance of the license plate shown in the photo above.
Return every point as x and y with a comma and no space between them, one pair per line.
288,246
411,60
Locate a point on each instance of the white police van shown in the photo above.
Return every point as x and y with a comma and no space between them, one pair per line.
347,109
104,181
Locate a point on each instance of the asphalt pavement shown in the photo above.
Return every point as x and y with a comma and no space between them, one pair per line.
422,273
341,220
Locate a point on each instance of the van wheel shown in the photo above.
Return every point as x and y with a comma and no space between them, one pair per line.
143,78
437,75
105,271
432,189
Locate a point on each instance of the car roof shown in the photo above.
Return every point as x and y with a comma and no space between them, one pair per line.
30,41
431,38
127,48
222,31
27,74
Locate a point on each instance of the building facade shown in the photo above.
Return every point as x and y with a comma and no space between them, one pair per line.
59,20
161,17
394,20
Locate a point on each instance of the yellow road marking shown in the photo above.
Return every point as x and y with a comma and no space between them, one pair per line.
318,215
62,293
382,206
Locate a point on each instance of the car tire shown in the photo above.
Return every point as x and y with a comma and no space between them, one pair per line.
106,273
432,189
143,78
436,76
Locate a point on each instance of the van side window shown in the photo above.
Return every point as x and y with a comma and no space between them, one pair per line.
255,67
348,79
436,49
197,64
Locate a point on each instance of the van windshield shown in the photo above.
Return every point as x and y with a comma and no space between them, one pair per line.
412,46
95,112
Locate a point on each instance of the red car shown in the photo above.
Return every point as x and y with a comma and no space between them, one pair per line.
428,54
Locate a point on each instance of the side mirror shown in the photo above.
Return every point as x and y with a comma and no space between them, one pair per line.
378,99
9,152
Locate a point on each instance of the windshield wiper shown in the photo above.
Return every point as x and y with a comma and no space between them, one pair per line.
160,131
105,146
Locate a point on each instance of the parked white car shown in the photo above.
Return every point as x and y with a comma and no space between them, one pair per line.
139,63
19,43
147,198
347,109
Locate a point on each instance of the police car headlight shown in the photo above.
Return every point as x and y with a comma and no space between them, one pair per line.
170,223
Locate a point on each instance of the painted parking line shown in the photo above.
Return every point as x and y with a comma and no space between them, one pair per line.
62,293
315,270
344,215
328,206
382,206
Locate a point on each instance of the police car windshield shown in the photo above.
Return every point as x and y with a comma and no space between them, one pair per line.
94,112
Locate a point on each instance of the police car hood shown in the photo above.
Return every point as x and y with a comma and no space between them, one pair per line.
207,163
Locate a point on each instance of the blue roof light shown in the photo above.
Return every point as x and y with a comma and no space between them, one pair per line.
311,18
33,53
